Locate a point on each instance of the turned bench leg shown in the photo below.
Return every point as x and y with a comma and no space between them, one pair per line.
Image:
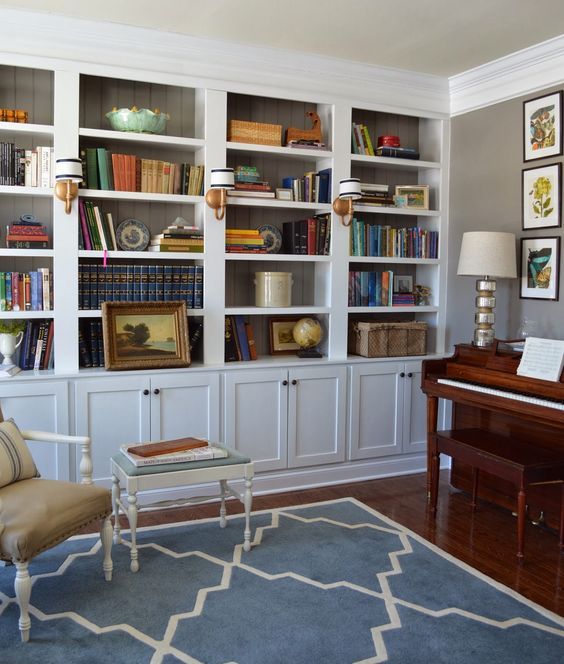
435,459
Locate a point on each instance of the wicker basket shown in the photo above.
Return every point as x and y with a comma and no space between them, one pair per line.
240,131
387,339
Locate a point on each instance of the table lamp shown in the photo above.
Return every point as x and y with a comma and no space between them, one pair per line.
487,255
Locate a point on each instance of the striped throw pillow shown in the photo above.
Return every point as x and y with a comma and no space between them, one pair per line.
16,462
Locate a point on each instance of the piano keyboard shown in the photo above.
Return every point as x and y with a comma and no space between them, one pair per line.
516,396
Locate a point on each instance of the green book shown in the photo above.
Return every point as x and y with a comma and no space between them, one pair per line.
93,226
103,176
92,168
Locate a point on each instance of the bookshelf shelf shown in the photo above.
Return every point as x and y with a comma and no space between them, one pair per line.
151,255
26,129
292,258
49,313
391,259
13,190
97,313
140,196
134,138
391,163
278,311
276,204
396,310
302,154
27,253
375,209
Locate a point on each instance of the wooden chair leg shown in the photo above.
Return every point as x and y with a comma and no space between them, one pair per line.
106,537
22,586
521,513
475,478
247,501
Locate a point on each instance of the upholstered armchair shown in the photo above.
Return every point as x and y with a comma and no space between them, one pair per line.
37,514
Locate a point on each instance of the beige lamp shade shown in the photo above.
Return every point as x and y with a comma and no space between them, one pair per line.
488,253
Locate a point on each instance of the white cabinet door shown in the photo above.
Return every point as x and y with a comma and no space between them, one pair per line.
256,410
375,410
41,405
316,415
415,410
185,405
113,412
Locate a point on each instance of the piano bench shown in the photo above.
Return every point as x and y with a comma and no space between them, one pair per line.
508,458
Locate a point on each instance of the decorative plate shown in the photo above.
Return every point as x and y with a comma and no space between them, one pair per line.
132,235
272,238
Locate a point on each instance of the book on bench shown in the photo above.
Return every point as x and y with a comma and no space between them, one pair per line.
200,450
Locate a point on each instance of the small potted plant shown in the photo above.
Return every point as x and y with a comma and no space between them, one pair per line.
11,335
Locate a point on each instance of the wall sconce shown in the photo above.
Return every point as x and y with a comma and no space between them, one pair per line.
68,174
349,191
221,180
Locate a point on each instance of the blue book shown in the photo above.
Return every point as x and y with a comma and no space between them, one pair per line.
129,282
176,282
325,184
159,283
242,338
34,288
152,285
167,283
199,287
288,183
372,302
144,285
188,282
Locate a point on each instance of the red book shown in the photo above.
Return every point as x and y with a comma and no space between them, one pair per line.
311,236
84,225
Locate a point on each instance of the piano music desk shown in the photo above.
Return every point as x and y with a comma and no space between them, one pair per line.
508,458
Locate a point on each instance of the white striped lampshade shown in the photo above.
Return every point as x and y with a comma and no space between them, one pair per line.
350,188
222,178
68,169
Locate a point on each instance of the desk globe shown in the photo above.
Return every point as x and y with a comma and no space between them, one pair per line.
308,333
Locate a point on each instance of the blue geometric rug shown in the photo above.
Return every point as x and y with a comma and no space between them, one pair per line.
326,583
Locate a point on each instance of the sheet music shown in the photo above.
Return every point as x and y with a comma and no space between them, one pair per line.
542,358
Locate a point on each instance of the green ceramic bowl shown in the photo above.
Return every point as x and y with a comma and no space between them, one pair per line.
139,120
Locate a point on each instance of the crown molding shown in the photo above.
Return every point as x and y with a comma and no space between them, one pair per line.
532,69
87,46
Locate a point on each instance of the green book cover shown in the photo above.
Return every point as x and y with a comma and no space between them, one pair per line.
103,175
92,168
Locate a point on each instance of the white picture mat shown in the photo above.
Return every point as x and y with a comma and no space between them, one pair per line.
533,217
530,108
536,244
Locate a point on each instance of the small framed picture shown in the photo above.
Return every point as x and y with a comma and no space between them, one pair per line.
145,335
542,127
284,194
542,197
540,274
416,196
281,336
403,283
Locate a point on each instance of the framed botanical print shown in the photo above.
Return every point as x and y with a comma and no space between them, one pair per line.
542,127
540,268
542,197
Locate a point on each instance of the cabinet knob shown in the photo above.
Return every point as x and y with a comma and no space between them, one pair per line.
156,391
402,374
294,382
284,382
410,375
145,392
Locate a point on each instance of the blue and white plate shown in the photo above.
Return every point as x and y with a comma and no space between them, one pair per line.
132,235
272,238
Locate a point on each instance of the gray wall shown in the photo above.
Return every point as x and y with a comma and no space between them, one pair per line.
485,194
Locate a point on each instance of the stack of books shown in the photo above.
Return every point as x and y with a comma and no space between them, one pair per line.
248,182
361,142
403,300
27,234
180,450
178,237
244,240
399,153
26,291
26,168
375,194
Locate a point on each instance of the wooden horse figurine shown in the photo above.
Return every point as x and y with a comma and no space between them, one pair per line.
313,134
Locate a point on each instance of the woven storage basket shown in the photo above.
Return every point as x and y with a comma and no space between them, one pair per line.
240,131
387,339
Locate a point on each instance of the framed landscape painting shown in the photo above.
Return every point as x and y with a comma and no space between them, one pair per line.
540,268
542,197
281,336
145,335
542,127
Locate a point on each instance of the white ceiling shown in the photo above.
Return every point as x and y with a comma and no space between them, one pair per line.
442,37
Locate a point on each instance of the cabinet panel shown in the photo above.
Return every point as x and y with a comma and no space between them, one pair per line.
415,411
375,427
316,416
256,406
42,406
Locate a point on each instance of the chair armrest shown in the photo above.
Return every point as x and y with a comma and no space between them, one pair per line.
84,441
1,524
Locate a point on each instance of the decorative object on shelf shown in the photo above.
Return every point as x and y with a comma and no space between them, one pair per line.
542,197
416,196
283,194
540,268
282,336
13,115
542,127
141,120
422,295
315,135
221,180
68,175
349,191
11,336
132,235
273,289
387,339
308,334
489,254
388,141
257,133
272,238
145,335
528,328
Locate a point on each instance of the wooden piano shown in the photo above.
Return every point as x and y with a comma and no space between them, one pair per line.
487,394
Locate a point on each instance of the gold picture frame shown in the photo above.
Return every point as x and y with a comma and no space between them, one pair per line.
281,337
145,335
416,196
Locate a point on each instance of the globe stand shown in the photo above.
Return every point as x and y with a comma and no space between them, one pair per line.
307,353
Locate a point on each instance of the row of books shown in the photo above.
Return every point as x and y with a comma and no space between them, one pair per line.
26,168
385,241
36,348
239,340
90,343
26,291
111,171
361,141
307,237
313,187
371,289
96,229
140,283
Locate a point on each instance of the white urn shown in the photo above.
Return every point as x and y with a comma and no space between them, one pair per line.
8,345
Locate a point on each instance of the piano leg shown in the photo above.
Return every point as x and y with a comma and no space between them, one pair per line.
432,414
475,478
521,514
434,465
562,516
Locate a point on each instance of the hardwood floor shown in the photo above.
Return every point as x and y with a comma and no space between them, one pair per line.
486,539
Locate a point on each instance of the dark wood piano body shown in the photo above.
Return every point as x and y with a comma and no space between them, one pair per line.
539,424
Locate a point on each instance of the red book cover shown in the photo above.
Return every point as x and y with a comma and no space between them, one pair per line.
84,225
311,237
15,291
